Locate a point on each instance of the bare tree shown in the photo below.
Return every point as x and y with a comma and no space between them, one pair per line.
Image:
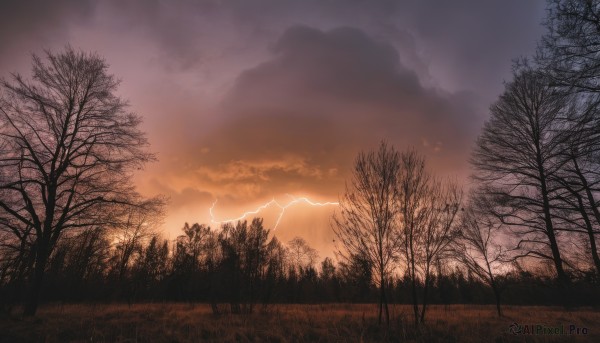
478,247
136,226
578,208
440,230
571,48
579,176
428,209
366,223
414,190
516,157
570,53
69,147
301,254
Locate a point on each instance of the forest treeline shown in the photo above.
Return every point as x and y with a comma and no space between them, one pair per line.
524,231
242,266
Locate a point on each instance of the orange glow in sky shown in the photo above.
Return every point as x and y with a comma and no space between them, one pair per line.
274,203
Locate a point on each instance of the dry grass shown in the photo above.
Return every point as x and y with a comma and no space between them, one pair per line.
287,323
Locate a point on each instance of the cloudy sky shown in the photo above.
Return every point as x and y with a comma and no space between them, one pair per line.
246,101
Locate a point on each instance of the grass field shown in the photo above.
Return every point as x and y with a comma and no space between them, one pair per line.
291,323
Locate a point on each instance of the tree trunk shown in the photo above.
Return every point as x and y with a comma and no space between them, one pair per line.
592,202
561,274
557,259
383,305
497,296
380,307
410,256
41,258
590,232
384,301
494,286
414,296
424,298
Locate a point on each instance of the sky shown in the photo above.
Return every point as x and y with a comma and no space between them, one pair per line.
249,101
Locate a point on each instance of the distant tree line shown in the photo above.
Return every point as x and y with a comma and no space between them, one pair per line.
241,268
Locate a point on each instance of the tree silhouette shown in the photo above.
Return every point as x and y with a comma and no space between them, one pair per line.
516,157
301,255
570,51
366,224
246,253
414,187
478,247
68,148
427,213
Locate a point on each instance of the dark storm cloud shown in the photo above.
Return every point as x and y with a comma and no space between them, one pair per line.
472,42
323,97
180,29
312,65
468,41
27,26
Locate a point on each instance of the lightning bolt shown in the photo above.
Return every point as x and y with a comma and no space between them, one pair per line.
273,202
